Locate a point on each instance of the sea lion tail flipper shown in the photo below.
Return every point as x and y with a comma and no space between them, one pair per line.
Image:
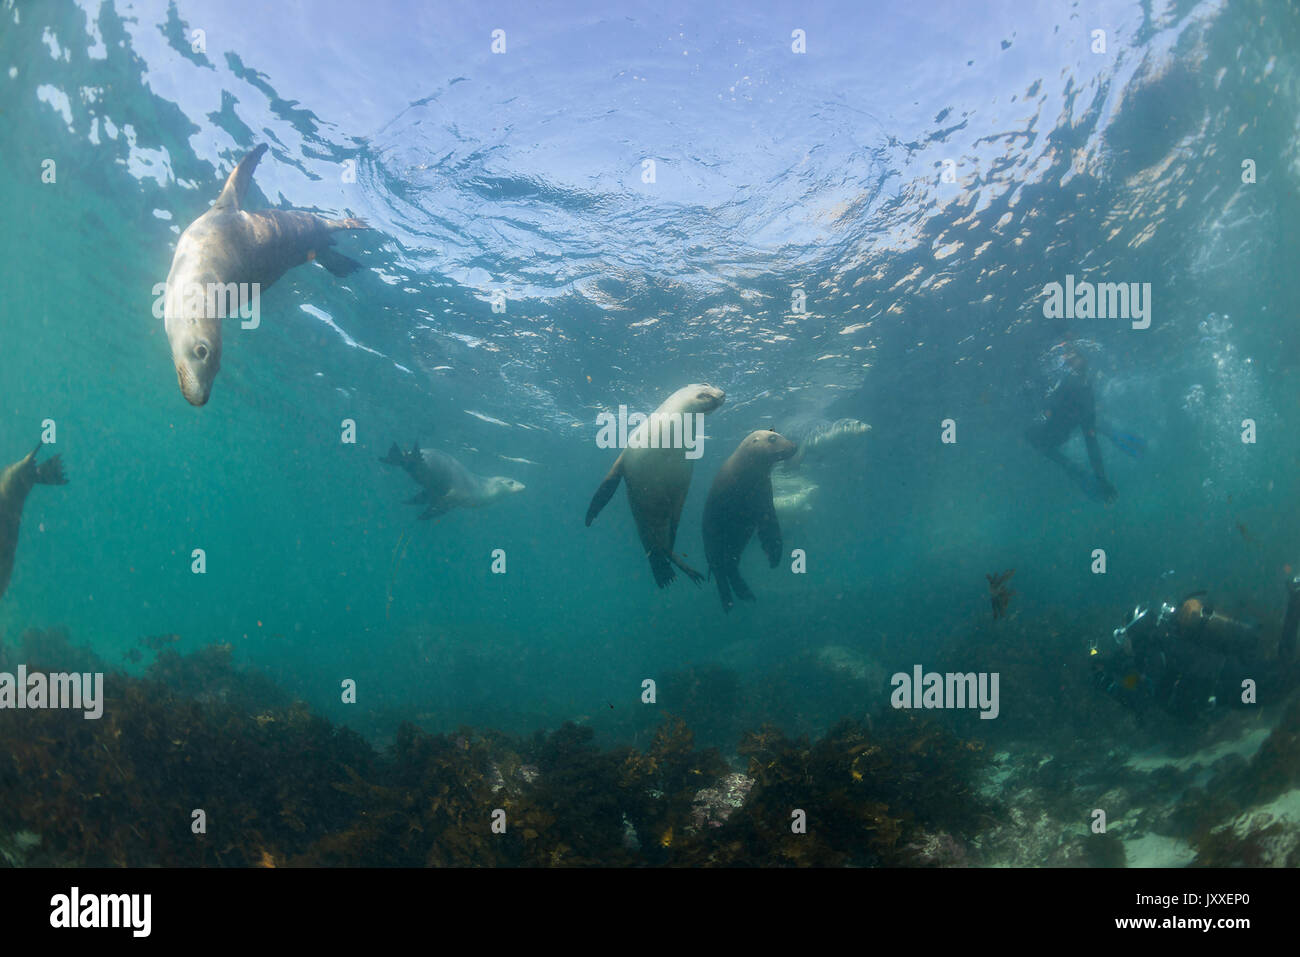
433,511
338,264
738,584
724,591
602,497
394,456
232,194
662,568
691,573
423,497
50,472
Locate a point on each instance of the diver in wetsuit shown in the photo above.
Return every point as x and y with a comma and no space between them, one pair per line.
1189,659
1071,406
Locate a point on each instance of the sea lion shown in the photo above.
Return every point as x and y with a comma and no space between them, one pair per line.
228,249
446,483
793,493
15,482
818,438
740,502
657,482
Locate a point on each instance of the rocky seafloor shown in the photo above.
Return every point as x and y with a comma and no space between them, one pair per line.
278,785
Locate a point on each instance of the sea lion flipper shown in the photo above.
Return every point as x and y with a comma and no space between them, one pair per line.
691,573
338,264
232,194
769,533
605,492
433,511
50,472
423,497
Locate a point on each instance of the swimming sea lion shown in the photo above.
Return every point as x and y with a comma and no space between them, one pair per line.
657,481
15,482
739,503
817,438
221,257
793,493
447,484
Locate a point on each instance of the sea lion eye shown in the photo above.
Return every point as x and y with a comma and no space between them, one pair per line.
201,352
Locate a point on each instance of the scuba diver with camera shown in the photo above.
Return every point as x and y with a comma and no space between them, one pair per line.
1189,659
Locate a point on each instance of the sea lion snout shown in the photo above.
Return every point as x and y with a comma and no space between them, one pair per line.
195,392
707,398
772,445
196,367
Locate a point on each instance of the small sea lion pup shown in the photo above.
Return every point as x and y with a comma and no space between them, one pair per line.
659,477
224,256
446,484
740,502
15,482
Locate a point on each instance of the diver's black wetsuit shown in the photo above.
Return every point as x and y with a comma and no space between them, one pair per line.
1185,673
1071,406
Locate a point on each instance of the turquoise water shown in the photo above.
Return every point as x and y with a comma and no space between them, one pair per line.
522,173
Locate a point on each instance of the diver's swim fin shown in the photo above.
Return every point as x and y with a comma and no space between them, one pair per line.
1127,442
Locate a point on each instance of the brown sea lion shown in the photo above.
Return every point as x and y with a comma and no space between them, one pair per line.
228,254
15,482
658,479
740,501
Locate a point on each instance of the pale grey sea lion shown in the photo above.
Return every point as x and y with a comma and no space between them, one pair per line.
15,483
657,482
819,439
225,253
445,483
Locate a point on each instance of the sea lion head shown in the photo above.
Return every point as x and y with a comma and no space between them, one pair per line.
767,446
500,485
197,357
697,398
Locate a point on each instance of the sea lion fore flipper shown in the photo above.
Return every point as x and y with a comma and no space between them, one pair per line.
606,491
50,472
338,264
232,194
769,531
